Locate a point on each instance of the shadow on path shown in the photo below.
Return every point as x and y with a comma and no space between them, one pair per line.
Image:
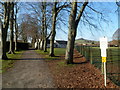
31,71
36,59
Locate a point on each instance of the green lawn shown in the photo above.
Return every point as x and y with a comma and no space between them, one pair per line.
57,52
113,60
9,63
95,53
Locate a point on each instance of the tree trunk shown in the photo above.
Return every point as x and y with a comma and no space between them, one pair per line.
3,42
5,29
16,36
16,29
71,34
11,49
45,29
53,30
0,39
39,43
73,23
45,45
42,44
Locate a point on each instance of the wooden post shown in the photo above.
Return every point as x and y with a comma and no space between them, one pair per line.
91,56
82,50
89,52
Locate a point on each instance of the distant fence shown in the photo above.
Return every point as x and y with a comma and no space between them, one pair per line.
93,54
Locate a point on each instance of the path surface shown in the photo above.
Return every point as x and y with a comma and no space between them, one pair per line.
29,72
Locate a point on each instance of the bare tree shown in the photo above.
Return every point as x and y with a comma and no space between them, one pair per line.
55,12
73,23
31,32
45,27
5,25
11,48
42,11
16,26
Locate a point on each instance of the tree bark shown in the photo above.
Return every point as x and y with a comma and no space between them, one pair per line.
39,44
42,44
53,30
45,45
71,34
0,39
45,29
73,23
11,48
4,36
5,29
16,28
16,36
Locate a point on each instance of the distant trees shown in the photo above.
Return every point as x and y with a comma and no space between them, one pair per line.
28,29
42,12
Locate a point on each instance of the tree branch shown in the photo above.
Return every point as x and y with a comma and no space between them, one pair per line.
61,7
81,11
49,35
94,9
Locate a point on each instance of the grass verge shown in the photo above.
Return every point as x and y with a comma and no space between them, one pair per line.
58,52
9,63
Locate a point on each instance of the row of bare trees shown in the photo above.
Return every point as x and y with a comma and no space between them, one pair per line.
40,25
74,19
8,21
8,16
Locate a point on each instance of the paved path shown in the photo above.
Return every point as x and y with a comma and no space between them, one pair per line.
29,72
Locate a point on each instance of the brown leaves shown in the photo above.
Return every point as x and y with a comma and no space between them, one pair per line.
82,75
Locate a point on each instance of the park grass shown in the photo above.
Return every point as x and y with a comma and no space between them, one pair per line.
9,63
112,52
57,51
113,60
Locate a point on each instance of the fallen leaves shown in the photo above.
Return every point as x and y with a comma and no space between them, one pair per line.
83,75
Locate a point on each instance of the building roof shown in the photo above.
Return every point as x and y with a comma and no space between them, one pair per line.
61,41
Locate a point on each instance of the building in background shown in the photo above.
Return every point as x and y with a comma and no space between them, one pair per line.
57,44
60,43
